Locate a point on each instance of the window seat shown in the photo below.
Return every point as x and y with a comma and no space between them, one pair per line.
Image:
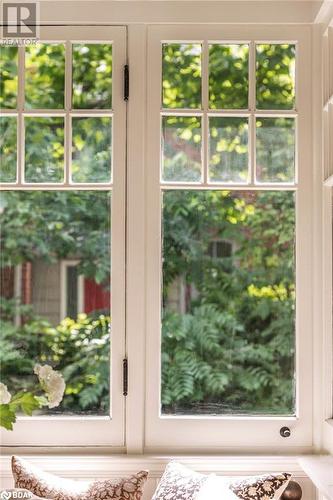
84,466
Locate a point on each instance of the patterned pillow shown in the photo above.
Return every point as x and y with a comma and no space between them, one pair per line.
260,487
266,487
53,487
179,483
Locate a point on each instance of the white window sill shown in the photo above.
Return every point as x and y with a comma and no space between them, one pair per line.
320,471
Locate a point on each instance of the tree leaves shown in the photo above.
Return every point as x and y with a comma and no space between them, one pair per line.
25,401
7,417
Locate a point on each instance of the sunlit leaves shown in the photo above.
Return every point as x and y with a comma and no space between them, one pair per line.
26,402
91,160
275,76
45,76
275,149
8,149
228,149
92,75
7,417
228,76
44,149
181,75
181,148
8,76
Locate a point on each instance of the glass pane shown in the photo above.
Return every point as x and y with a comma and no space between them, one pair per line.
92,75
8,77
275,149
228,76
40,231
228,317
44,149
72,292
8,149
181,148
181,75
228,149
45,76
91,160
275,76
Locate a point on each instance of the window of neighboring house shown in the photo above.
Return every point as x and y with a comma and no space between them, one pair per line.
81,295
229,194
62,169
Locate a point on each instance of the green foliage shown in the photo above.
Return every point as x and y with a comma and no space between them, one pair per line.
45,76
232,350
8,80
63,223
7,417
79,349
92,75
7,148
26,402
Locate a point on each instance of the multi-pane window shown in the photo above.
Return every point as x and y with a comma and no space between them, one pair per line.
228,189
61,209
228,318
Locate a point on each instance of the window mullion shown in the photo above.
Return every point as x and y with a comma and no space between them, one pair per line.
205,125
20,121
252,107
68,119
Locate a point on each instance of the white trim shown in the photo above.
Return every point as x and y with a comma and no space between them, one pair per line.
226,433
150,12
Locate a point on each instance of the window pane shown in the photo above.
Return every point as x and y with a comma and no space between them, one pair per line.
8,77
91,160
45,76
228,149
72,291
275,76
40,230
228,76
228,315
181,149
92,75
44,149
8,149
275,149
181,75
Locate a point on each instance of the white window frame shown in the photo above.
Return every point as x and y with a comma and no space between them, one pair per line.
232,433
95,431
326,118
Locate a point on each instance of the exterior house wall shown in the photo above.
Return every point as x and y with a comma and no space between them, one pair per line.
46,290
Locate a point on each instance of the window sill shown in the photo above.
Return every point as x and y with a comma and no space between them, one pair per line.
320,471
107,466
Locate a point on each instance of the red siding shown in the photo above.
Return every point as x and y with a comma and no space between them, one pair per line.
95,297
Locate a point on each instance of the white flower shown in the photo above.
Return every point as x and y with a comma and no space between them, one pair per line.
5,395
52,383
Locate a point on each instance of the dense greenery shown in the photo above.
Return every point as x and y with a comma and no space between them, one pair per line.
230,346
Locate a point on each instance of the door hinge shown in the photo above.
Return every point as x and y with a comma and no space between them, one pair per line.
126,82
125,377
